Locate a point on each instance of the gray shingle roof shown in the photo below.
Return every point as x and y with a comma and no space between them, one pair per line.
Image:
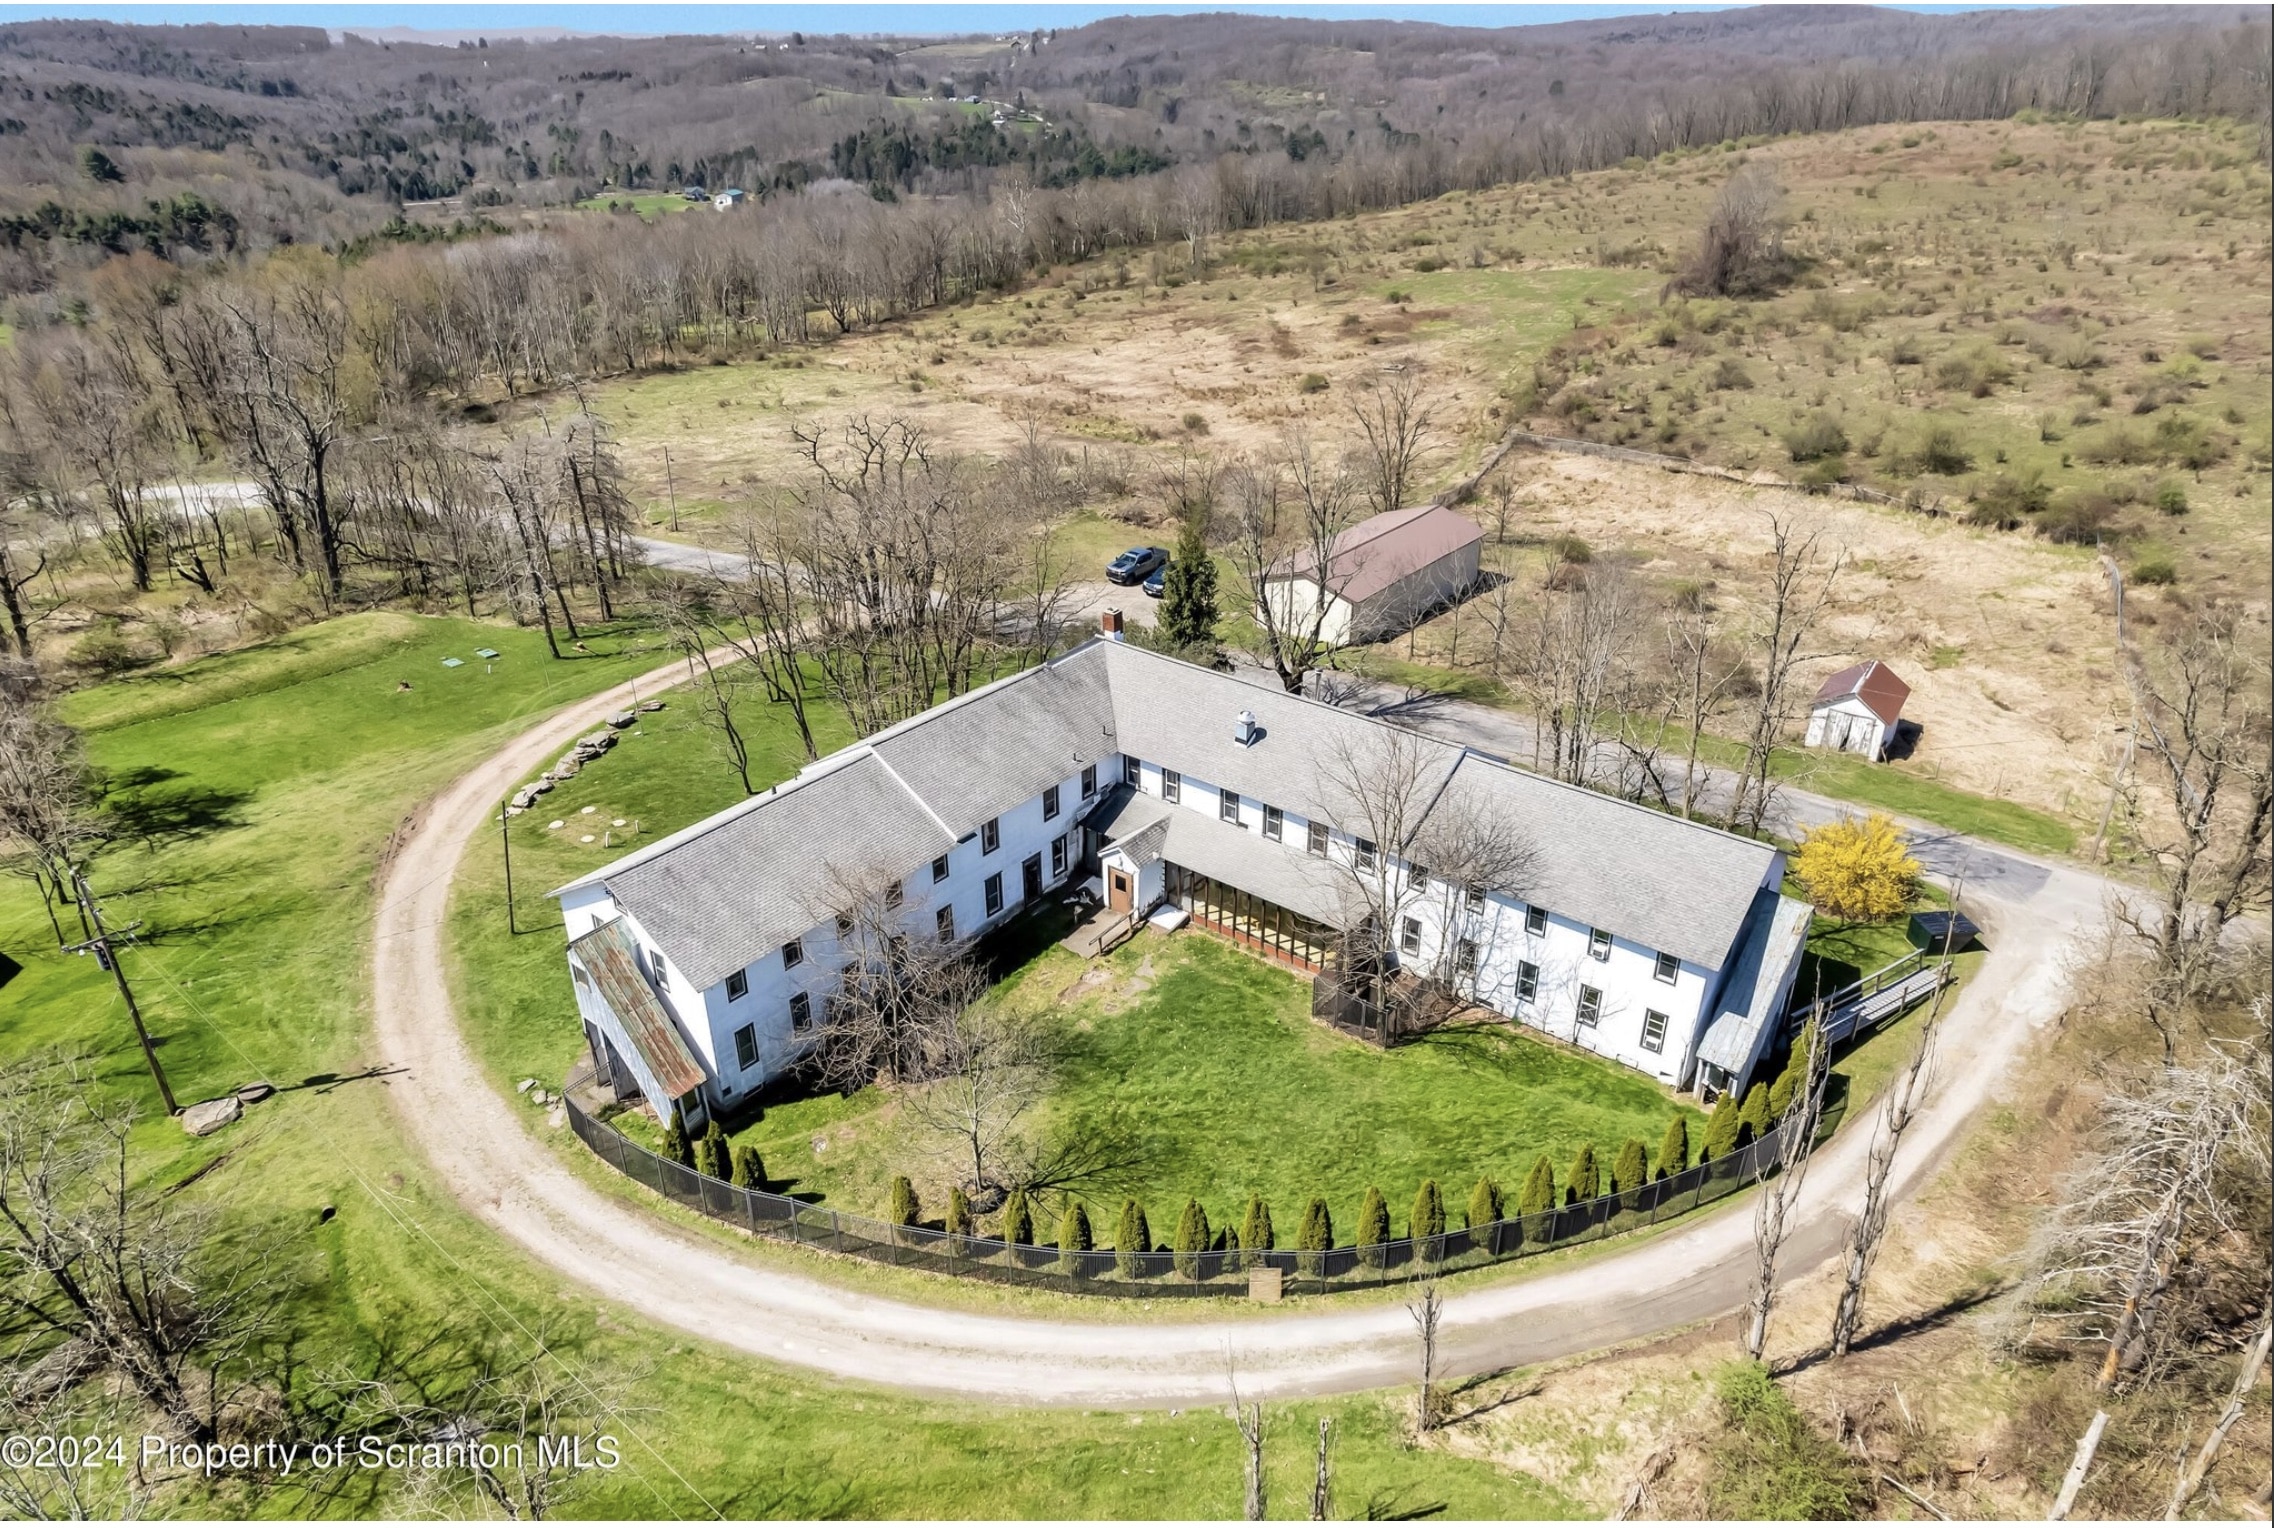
726,891
985,753
1369,558
721,894
1748,1014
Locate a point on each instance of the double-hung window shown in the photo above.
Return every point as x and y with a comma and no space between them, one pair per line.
793,953
1665,968
1656,1030
747,1047
1474,900
1530,978
893,895
1229,806
1131,771
1419,879
1051,802
993,894
1317,838
1538,920
1091,781
802,1013
1364,853
1586,1010
1466,957
1411,937
989,837
1059,857
738,985
1170,785
940,868
1271,826
945,923
1601,944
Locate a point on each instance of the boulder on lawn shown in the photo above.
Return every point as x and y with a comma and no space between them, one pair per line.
652,705
522,799
567,769
597,741
622,719
206,1118
254,1092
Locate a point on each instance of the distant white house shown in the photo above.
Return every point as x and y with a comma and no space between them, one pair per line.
1384,575
1857,710
723,201
704,964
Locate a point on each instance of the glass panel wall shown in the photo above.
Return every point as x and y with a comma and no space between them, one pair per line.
1249,920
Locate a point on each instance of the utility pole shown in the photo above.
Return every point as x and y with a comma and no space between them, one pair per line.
506,847
671,499
92,910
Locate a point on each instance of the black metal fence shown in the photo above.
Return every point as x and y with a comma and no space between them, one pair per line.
1221,1271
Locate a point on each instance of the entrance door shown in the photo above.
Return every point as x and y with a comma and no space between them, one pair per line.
1118,892
1032,878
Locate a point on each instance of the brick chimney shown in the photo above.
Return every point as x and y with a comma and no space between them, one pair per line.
1111,625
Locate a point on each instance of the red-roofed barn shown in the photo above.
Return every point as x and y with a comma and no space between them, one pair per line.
1857,709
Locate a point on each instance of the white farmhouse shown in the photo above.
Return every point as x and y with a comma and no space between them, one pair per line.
728,200
1856,710
1384,575
703,963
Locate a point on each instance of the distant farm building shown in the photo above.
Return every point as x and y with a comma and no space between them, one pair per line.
725,200
1384,575
1856,711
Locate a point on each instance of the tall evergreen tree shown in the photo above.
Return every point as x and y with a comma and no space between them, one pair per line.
1722,1138
1755,1114
1375,1227
1428,1215
1020,1222
1784,1085
1316,1236
1582,1177
1075,1228
1486,1205
1674,1149
1540,1195
1132,1237
1190,590
676,1143
750,1172
1192,1240
1257,1233
959,1220
1629,1167
713,1160
905,1201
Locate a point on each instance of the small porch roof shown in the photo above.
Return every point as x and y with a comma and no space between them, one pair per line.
608,955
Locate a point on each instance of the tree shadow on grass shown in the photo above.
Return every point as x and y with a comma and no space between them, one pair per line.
156,805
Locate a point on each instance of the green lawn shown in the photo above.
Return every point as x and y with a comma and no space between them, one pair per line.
1196,1069
269,782
647,204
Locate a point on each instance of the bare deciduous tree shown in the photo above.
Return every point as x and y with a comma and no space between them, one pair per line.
1740,252
99,1275
1289,514
1395,417
1570,656
2182,1152
2202,703
1425,1310
1803,579
47,800
1777,1198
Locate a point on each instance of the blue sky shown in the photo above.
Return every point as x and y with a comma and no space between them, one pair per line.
904,19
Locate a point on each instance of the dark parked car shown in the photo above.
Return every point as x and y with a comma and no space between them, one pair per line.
1134,566
1153,587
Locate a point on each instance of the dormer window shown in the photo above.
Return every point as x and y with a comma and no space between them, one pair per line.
738,985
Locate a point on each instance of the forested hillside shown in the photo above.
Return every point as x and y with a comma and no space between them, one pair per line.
192,142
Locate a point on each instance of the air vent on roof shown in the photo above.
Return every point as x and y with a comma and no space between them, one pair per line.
1246,728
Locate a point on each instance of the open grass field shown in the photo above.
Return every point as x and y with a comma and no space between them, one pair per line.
268,783
2082,309
1196,1069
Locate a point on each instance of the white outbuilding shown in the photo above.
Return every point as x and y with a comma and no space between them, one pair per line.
1856,710
1384,575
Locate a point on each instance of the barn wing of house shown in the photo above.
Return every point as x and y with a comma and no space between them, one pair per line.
1857,710
703,962
1384,575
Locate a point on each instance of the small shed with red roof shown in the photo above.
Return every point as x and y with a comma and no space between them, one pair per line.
1856,710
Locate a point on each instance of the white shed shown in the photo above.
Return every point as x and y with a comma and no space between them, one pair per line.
727,200
1856,711
1385,574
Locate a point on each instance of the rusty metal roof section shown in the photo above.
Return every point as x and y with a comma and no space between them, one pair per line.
1873,682
615,966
